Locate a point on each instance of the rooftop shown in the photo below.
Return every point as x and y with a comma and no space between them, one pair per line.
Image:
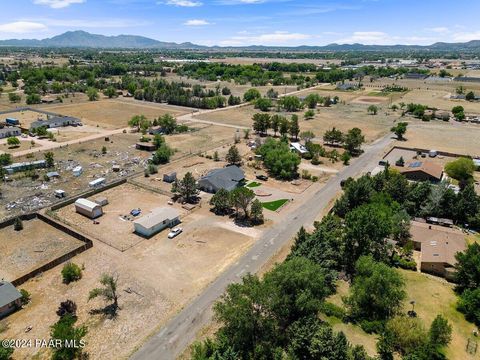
157,216
439,244
8,293
431,168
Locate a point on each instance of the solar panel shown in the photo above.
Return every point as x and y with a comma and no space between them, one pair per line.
415,164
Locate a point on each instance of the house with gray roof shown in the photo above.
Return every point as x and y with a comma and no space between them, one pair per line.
227,178
55,122
157,220
10,298
8,131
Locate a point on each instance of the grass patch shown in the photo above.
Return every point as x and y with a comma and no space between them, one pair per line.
274,205
253,184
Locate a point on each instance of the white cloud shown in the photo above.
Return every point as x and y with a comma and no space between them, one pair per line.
367,37
196,22
22,27
58,4
183,3
466,36
439,30
275,38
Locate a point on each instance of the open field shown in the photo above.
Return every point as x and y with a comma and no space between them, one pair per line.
111,227
343,117
156,279
112,114
26,117
452,137
37,244
25,144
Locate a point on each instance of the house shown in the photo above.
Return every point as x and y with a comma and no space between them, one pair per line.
422,171
10,131
440,221
170,177
415,76
346,87
17,167
10,298
145,146
49,99
157,220
97,182
438,246
299,148
55,122
88,208
227,178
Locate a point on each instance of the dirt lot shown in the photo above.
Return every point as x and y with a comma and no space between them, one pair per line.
113,114
26,250
112,228
25,117
162,275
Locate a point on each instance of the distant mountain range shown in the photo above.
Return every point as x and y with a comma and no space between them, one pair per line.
83,39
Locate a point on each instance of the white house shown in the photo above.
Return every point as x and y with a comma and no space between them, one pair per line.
88,208
157,220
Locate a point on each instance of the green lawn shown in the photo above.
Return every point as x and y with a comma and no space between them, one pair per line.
253,184
274,205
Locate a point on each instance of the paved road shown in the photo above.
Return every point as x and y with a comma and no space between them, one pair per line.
181,330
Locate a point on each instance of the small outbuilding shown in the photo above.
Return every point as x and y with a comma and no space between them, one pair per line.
101,200
157,220
77,170
170,177
97,182
145,146
88,208
10,298
53,174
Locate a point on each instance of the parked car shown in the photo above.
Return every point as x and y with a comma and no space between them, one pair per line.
174,232
262,177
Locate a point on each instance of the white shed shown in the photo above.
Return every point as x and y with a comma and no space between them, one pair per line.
97,182
88,208
77,170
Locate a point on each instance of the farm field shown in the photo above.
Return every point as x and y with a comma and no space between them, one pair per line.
157,278
37,244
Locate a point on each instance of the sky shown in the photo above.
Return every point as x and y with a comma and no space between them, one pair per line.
249,22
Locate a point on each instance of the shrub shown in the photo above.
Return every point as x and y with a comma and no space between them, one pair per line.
18,224
372,327
330,309
25,296
71,272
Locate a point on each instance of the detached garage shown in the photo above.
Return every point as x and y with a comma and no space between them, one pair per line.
156,221
88,208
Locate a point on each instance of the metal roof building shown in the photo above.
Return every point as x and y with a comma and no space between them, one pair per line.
88,208
157,220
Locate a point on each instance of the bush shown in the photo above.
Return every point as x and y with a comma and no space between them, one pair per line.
25,296
372,327
407,264
330,309
18,224
71,272
469,304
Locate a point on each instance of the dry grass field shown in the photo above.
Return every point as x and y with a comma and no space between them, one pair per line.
341,116
445,136
113,114
26,117
35,245
156,279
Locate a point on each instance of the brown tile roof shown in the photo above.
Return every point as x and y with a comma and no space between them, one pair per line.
429,167
438,244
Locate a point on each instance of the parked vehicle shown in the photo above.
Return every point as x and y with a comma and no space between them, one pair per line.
174,232
262,177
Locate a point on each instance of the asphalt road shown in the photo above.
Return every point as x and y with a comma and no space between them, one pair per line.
180,331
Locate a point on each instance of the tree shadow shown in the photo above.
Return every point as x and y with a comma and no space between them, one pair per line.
110,311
